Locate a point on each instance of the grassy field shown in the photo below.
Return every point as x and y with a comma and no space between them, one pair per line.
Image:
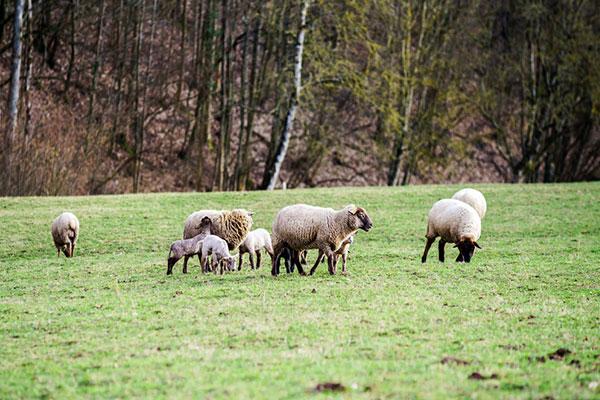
110,323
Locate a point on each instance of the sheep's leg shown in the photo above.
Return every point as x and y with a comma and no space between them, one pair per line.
303,257
185,261
344,257
57,252
170,263
278,253
258,255
286,259
203,263
330,265
335,261
200,260
72,249
319,258
427,246
251,258
240,259
441,245
296,260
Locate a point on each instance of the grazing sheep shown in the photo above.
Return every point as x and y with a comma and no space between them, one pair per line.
455,222
231,226
342,251
300,227
474,198
256,240
188,247
217,249
65,230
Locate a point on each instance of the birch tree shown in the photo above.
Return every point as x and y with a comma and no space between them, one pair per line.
284,140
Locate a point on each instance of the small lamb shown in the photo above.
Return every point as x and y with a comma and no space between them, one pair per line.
65,230
188,247
217,248
256,240
455,222
342,251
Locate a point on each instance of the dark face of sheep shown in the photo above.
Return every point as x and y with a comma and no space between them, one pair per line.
205,225
466,248
361,220
228,263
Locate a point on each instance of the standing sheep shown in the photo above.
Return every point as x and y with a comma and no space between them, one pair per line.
217,249
455,222
65,230
300,227
474,198
188,247
231,226
256,240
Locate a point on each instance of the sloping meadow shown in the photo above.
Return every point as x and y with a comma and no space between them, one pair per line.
521,320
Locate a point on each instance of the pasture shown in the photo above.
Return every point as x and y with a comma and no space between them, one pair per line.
110,323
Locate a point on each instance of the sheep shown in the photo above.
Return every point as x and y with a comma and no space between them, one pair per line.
232,226
474,198
217,248
188,247
301,227
65,230
253,244
342,251
455,222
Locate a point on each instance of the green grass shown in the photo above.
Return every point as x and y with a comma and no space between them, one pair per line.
110,323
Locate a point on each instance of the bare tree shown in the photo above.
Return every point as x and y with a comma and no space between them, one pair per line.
284,142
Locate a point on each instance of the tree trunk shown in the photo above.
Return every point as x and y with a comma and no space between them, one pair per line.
72,48
13,96
280,154
28,73
95,68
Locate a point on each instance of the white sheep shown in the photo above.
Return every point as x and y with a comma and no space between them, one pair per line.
474,198
342,251
256,240
455,222
65,230
300,227
217,249
188,247
231,226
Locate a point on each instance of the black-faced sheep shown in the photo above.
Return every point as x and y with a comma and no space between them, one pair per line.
455,222
65,230
256,240
300,227
188,247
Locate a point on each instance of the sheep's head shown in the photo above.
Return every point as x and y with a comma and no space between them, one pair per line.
358,218
466,246
228,263
205,225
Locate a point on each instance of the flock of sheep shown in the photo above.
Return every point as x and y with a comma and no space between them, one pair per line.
211,235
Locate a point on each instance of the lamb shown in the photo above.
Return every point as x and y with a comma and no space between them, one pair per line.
65,230
188,247
342,251
301,227
217,248
455,222
474,198
232,226
256,240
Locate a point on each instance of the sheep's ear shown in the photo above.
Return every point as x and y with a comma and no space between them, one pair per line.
476,245
250,213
